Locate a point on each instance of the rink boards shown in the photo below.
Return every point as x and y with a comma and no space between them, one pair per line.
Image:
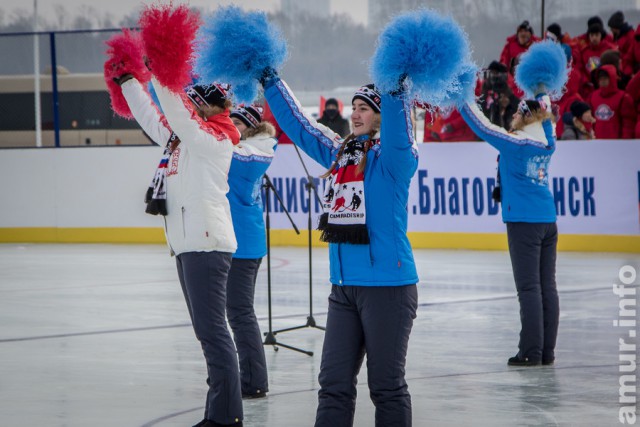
95,194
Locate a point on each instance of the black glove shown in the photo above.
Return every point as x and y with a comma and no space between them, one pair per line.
123,78
267,74
399,90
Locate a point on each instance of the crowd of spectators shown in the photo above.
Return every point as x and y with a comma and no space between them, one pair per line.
602,97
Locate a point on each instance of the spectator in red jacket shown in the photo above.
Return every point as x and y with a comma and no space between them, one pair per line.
517,44
612,57
571,95
583,39
624,38
589,58
612,108
634,57
633,89
446,126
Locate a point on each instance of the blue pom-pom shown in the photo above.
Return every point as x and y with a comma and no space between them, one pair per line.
463,87
235,46
542,69
432,51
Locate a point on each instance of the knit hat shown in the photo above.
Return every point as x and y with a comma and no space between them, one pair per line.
578,108
331,101
525,26
556,31
250,115
370,95
616,21
596,28
208,95
594,20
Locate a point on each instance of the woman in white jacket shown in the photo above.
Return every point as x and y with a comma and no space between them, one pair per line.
198,226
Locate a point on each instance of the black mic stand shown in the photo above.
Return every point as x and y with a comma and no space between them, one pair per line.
270,336
311,322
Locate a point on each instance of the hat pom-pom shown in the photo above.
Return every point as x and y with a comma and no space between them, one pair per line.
235,47
168,34
542,69
430,53
125,56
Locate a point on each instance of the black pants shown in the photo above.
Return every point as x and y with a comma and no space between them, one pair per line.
241,286
533,257
375,320
203,276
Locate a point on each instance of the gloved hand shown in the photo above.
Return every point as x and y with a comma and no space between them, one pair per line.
267,74
400,89
544,100
123,78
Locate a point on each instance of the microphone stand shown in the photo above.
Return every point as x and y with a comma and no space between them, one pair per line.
270,336
311,322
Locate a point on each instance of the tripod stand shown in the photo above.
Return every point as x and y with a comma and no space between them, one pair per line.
311,322
270,336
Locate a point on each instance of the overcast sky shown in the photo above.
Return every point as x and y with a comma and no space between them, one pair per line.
357,9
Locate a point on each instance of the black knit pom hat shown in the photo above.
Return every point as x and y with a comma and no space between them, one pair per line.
370,95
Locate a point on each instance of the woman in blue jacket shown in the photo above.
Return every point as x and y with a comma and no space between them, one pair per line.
373,298
529,211
251,159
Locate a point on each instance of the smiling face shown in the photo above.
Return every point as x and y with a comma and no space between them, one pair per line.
362,118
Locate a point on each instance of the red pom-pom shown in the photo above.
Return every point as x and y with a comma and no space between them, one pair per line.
119,105
168,34
126,56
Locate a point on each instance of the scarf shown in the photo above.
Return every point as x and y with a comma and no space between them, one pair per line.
156,196
344,219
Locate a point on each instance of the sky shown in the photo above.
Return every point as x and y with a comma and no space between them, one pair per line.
357,9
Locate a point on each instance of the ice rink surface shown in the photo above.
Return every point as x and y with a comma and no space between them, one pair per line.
99,335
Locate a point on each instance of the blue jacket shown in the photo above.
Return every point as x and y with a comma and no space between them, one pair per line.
250,161
523,166
388,259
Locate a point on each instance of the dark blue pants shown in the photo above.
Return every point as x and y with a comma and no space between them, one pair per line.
533,257
375,320
241,286
203,276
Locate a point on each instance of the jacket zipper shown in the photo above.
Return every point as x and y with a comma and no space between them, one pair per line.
184,232
166,232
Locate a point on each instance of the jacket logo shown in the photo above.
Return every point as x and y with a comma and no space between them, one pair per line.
604,112
175,159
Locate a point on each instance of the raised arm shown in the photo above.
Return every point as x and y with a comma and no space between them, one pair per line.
146,112
317,140
398,150
487,131
189,127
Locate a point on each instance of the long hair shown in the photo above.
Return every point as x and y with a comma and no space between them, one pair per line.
349,138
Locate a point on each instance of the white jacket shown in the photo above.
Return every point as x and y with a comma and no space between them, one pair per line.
198,213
